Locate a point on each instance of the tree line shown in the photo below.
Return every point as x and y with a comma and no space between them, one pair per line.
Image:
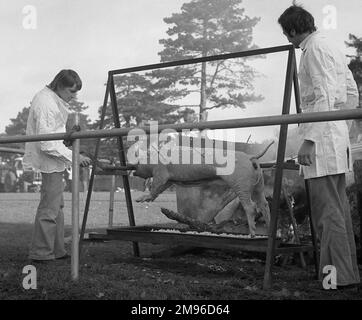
202,28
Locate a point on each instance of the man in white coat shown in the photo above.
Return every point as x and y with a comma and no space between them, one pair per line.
48,114
326,84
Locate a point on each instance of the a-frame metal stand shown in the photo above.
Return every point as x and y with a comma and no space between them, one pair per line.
134,234
290,80
110,91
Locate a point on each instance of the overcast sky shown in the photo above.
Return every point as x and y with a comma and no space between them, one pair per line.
94,36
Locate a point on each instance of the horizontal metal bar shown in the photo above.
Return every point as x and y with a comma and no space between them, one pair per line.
111,173
12,150
286,165
294,249
112,167
203,59
220,124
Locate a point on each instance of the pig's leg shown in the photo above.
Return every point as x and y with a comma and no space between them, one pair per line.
250,210
241,184
263,205
159,184
259,197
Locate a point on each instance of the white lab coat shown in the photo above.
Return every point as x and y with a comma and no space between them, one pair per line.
48,114
326,84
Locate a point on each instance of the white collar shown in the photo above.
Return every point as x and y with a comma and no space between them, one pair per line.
304,43
59,99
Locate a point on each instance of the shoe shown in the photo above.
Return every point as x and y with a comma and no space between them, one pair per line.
355,286
65,257
36,261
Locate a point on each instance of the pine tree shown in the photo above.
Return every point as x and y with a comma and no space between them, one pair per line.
205,28
18,124
139,100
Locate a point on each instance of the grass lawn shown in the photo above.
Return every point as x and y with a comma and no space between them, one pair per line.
108,270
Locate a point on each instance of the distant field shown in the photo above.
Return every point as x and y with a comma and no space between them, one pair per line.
21,208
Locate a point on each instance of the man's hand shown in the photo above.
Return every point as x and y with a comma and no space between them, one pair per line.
305,153
69,142
84,161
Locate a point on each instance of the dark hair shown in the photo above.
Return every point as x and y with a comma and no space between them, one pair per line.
298,19
66,79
